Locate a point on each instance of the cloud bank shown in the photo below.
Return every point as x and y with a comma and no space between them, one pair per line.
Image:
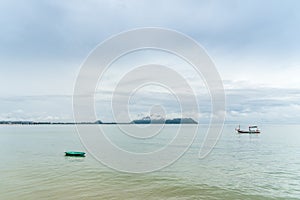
254,45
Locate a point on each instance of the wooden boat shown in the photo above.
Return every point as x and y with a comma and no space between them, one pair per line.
251,130
75,153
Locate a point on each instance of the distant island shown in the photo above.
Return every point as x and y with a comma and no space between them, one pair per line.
148,120
144,120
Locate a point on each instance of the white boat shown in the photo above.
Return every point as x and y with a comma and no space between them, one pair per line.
251,130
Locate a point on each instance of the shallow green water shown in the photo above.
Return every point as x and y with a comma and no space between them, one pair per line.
265,166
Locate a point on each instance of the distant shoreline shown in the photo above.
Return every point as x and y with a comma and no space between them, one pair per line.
98,122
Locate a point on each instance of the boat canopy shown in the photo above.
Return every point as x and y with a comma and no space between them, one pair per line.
252,126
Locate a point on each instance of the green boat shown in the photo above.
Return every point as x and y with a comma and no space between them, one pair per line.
75,153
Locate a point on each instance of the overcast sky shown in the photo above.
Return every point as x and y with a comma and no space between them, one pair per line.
254,44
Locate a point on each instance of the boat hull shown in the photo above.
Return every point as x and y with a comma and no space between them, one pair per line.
75,154
248,132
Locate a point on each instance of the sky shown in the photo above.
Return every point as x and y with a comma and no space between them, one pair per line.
254,45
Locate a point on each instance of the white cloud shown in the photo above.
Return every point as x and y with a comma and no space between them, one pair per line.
254,45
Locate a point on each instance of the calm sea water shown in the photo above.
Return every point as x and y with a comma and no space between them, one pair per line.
265,166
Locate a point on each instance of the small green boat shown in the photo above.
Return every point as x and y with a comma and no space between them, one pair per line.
75,153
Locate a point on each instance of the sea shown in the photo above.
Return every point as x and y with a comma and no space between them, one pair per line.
258,166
